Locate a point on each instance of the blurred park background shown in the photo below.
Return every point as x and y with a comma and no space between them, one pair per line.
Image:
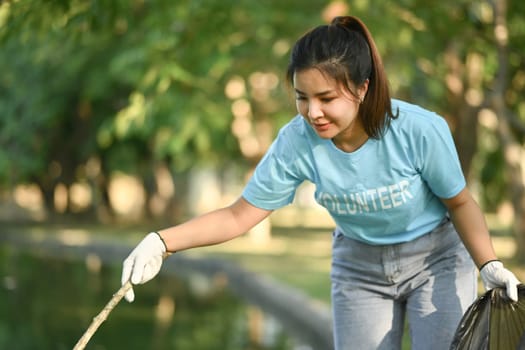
142,113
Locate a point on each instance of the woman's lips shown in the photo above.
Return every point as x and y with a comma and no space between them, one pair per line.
321,127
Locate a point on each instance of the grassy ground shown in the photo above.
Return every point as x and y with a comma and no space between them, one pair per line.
298,257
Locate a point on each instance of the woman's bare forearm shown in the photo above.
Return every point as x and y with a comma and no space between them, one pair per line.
215,227
471,226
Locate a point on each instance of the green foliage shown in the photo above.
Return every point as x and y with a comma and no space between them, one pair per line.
134,83
145,78
494,178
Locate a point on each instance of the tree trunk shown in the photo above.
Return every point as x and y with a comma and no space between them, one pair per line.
463,78
511,147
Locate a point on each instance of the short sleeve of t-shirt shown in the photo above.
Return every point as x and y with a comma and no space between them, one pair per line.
275,179
437,160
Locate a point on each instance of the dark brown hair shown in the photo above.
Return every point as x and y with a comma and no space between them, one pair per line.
345,50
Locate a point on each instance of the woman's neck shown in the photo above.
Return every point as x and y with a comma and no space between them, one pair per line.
351,140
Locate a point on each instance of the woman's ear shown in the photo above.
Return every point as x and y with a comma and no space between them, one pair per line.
362,90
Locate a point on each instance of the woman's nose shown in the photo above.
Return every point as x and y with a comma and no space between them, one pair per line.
314,110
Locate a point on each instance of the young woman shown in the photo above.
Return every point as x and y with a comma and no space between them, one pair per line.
408,233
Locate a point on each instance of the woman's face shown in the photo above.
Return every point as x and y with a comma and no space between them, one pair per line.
328,107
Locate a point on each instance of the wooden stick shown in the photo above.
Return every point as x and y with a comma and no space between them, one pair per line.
102,316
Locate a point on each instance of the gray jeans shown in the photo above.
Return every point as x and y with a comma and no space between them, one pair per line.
432,280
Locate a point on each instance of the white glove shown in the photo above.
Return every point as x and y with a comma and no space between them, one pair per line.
143,263
493,275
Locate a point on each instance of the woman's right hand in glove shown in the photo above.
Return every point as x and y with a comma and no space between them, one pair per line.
144,262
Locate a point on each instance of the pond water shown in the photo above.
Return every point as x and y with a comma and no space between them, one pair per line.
48,303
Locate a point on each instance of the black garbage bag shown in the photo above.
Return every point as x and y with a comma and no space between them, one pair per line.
493,322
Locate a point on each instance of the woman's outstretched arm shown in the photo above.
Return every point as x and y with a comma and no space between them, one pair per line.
215,227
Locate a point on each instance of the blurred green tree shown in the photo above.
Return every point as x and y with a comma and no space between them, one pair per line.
88,87
125,86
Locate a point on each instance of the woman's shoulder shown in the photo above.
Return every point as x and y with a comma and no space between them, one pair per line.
414,116
297,130
293,137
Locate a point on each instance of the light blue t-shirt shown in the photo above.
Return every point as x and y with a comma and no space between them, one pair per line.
385,192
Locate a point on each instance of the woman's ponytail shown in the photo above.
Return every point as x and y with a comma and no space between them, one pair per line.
376,109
